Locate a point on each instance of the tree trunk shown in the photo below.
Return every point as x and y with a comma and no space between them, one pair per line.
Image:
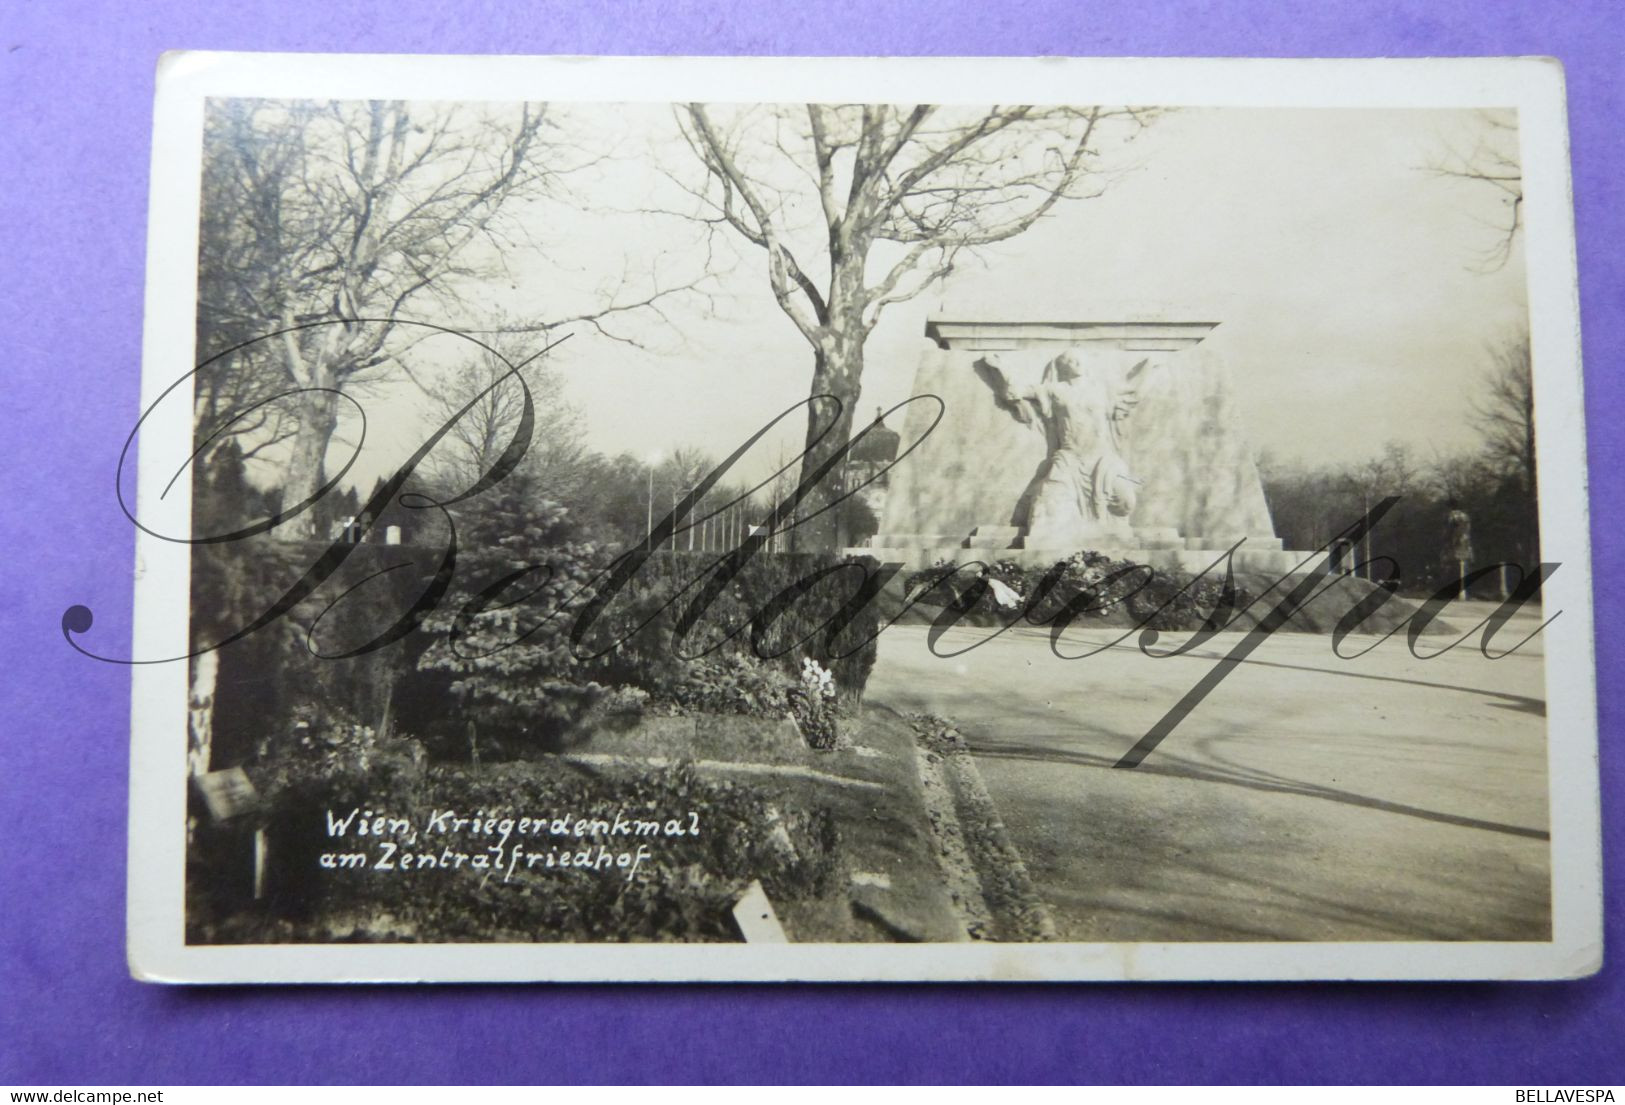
205,671
318,419
837,370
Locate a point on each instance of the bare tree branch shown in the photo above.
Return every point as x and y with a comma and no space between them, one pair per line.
1492,161
339,218
934,181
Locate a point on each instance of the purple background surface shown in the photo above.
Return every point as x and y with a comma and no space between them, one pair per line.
76,89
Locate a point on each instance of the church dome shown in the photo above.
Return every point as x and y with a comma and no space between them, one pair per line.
877,444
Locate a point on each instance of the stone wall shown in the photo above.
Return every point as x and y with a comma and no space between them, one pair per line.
1187,442
974,468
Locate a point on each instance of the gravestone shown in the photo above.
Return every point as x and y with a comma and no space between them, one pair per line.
227,794
1121,437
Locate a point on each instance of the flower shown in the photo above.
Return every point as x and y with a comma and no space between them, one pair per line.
817,679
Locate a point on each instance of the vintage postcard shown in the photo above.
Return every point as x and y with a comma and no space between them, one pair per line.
752,519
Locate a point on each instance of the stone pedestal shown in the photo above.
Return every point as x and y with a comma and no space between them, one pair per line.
966,491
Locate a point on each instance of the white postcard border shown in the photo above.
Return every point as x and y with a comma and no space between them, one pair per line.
156,942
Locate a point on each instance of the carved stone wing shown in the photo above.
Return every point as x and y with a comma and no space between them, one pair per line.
1008,392
1128,394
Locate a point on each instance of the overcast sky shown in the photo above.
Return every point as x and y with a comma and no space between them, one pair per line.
1349,283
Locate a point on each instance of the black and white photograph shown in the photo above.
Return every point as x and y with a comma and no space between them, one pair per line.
606,520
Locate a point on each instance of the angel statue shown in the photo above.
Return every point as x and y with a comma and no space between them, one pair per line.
1085,490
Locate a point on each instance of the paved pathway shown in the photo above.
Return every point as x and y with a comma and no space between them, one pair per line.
1307,797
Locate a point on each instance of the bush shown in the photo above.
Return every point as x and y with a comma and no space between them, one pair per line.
748,653
513,674
270,681
747,614
733,683
514,683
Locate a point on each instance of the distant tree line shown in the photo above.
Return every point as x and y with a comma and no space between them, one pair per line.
1494,485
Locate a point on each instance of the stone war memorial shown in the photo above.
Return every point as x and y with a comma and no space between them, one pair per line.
1119,437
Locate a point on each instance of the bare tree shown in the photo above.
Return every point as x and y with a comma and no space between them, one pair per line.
1459,476
675,477
1311,505
325,223
859,207
555,462
1504,409
1490,160
238,398
1394,471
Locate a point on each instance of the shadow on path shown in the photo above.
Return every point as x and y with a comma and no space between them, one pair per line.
1046,754
1521,703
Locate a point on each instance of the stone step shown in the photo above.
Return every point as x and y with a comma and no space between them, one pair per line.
1253,544
912,540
